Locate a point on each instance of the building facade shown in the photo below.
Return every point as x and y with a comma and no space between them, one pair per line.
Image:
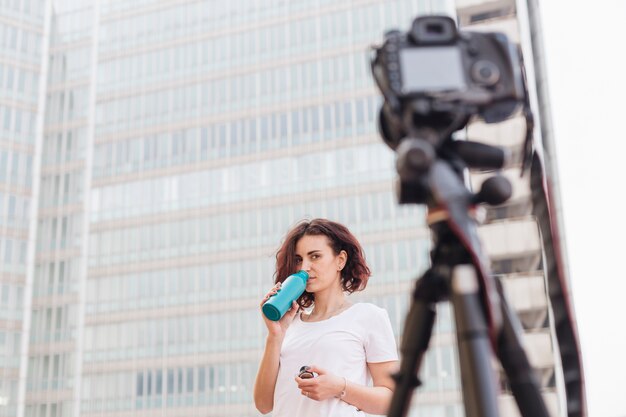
163,149
21,43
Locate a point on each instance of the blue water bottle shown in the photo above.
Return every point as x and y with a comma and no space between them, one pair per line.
292,288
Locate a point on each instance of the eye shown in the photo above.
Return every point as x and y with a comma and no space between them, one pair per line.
315,256
298,261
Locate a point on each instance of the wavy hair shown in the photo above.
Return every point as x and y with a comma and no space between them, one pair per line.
355,273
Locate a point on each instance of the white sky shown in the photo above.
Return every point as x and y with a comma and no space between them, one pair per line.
586,53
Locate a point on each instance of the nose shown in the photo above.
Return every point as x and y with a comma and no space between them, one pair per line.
306,266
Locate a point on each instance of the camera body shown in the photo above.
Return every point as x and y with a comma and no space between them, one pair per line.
439,74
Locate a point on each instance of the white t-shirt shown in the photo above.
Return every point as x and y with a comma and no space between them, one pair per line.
341,345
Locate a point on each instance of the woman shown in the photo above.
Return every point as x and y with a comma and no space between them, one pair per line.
349,347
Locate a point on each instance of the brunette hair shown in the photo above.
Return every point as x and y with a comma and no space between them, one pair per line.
354,274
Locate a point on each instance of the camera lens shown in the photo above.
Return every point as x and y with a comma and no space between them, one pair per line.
305,373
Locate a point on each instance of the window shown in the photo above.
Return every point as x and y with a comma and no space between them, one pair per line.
139,384
190,384
170,381
201,379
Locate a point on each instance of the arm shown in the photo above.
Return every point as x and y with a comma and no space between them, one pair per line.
267,374
372,400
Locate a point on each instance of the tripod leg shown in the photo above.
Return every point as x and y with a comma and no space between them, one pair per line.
478,377
418,328
522,379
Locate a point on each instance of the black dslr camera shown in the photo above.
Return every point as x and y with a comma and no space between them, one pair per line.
434,79
434,76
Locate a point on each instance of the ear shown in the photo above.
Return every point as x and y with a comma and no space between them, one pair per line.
342,258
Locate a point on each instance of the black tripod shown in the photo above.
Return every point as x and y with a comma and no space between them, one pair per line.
434,79
485,325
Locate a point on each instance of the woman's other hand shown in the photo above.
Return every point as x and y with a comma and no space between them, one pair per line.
324,386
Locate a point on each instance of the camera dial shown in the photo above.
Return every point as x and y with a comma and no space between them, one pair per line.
485,72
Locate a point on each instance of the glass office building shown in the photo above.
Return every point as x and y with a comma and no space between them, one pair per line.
21,41
153,154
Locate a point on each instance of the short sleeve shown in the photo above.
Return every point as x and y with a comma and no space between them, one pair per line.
380,343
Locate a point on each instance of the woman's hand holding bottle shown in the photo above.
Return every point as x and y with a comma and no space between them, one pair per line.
279,328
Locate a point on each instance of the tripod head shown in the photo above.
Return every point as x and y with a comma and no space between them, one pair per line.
434,80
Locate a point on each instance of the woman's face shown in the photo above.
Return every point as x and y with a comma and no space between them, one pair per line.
316,257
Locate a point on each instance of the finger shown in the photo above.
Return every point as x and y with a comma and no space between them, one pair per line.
275,289
305,382
317,370
290,314
267,297
293,310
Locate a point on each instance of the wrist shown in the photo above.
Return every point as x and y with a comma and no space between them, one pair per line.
274,339
344,386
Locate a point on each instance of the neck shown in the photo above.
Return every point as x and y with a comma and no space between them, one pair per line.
328,303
